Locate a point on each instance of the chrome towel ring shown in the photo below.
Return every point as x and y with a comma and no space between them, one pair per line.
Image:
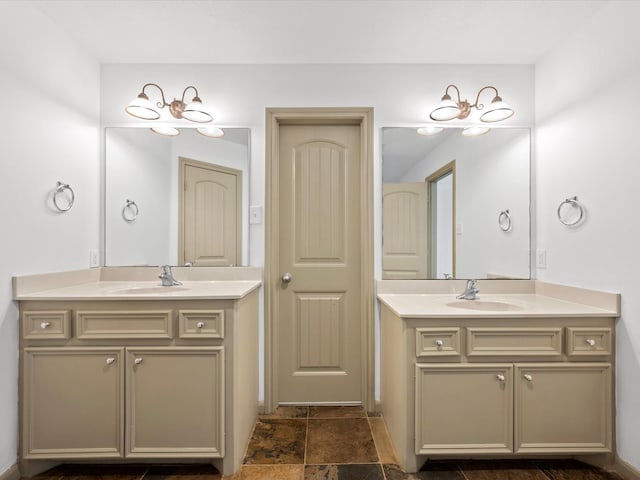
60,189
564,213
130,211
504,220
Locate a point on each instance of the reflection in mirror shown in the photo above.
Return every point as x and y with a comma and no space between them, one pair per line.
174,226
442,197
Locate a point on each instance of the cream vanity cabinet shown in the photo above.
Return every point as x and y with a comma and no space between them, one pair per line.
138,379
503,386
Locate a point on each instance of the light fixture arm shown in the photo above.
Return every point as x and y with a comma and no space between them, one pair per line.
480,106
158,104
446,92
194,89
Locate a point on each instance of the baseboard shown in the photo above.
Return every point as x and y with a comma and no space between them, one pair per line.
12,474
625,470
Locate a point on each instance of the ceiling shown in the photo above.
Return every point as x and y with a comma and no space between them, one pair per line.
319,31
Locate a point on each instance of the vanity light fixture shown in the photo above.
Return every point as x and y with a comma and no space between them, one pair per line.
429,130
475,130
448,109
141,107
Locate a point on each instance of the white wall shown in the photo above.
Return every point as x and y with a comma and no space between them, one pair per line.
50,123
587,122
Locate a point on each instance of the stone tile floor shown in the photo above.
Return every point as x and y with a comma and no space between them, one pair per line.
332,443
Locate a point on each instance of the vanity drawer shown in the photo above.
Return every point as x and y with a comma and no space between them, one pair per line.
530,342
437,342
104,324
589,341
46,325
201,323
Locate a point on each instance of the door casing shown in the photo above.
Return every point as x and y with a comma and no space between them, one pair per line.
275,117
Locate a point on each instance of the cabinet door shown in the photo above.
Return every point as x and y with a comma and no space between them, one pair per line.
73,402
563,407
464,408
175,400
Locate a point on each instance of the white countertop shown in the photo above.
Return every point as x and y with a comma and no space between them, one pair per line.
139,283
411,305
128,290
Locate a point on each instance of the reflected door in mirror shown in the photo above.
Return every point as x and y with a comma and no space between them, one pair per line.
209,214
404,246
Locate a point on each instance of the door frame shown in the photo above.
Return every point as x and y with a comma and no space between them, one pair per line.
275,117
183,163
449,168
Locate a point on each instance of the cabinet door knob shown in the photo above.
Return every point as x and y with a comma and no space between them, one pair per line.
500,377
439,343
45,325
200,324
138,361
111,361
528,377
591,342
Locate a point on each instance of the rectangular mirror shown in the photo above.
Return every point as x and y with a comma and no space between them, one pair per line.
176,200
455,206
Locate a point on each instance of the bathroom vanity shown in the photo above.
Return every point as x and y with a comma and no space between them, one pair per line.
114,367
525,370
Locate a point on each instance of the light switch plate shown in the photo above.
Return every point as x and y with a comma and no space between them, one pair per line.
255,214
459,229
541,259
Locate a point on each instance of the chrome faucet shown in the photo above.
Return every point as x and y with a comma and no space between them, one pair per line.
470,291
167,277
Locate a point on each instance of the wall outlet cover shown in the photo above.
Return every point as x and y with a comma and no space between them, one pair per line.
541,259
94,258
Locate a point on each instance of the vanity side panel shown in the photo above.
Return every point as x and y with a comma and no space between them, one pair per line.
242,400
396,372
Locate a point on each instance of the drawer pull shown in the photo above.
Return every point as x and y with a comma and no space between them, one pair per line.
200,324
501,377
591,342
138,361
111,361
528,377
45,325
439,343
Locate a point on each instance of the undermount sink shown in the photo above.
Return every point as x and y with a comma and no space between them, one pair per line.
485,305
151,290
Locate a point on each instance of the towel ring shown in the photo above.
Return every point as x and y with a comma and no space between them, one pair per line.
130,211
504,220
575,204
60,188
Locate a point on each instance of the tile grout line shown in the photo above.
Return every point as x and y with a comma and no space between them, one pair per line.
306,442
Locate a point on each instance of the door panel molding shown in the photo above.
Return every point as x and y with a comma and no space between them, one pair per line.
275,117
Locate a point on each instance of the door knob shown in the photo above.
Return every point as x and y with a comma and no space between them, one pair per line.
286,278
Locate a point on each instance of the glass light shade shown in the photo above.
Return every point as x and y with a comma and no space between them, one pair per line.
429,130
496,111
164,130
141,107
195,112
475,130
211,131
447,109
